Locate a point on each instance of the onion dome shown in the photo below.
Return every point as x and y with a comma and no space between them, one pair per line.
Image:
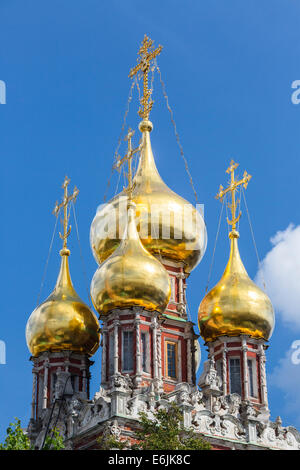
130,276
63,321
236,305
168,225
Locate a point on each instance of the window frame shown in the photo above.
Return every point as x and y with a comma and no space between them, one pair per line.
175,343
122,349
111,346
254,377
229,366
147,352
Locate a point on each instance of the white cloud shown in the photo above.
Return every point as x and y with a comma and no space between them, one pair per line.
281,271
286,377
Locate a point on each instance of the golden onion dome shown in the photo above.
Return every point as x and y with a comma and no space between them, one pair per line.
130,276
63,321
168,225
236,305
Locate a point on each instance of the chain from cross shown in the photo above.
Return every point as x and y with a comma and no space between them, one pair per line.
147,54
128,158
64,204
233,186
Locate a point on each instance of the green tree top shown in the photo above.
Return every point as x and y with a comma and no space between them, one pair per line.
17,439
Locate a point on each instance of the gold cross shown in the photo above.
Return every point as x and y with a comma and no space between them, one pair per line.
234,184
128,158
64,204
147,54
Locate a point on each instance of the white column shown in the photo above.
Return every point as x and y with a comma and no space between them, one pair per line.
224,359
245,367
189,363
104,353
45,384
180,278
155,359
116,345
263,380
138,348
159,361
84,384
189,354
181,293
33,403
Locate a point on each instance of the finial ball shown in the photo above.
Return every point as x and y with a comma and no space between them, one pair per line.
145,125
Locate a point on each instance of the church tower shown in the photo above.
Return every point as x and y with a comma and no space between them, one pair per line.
139,287
62,334
236,319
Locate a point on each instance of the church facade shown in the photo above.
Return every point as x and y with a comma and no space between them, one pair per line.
150,349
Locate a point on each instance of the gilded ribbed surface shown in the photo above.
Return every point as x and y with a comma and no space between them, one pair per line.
236,305
63,321
131,276
177,231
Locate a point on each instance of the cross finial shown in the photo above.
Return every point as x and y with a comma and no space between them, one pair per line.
147,53
128,158
233,185
64,204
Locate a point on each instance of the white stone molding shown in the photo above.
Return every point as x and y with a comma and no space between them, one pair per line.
104,354
263,379
137,323
245,367
45,384
224,361
116,324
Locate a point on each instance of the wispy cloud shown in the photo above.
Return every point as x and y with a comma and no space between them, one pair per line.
286,377
281,271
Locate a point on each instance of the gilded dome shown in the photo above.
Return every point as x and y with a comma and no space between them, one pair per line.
63,321
130,276
236,305
168,225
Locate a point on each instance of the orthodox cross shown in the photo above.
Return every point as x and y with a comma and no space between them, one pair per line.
128,158
147,53
234,184
64,204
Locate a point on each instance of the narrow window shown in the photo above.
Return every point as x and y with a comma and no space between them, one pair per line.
144,351
251,378
111,354
127,350
171,360
235,376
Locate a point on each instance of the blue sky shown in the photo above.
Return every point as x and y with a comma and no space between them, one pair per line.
228,67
